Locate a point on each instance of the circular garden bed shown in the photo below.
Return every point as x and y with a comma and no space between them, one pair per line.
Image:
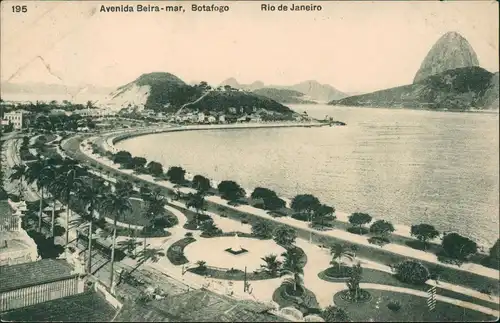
175,253
335,274
363,296
300,298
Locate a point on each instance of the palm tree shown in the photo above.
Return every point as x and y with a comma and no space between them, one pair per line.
130,245
69,178
18,172
155,205
146,254
42,172
116,203
338,251
272,266
292,265
92,194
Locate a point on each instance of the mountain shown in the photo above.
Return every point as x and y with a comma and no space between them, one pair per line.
34,91
457,89
284,95
312,90
166,92
451,51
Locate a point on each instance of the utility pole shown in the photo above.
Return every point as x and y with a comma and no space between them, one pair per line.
245,281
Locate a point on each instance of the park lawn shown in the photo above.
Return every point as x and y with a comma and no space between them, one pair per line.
450,275
374,276
413,309
136,216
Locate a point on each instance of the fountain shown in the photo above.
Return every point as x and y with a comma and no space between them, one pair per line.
236,249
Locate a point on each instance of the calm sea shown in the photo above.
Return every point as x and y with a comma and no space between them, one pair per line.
405,166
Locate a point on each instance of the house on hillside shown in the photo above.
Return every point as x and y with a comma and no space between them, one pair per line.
201,117
211,119
222,119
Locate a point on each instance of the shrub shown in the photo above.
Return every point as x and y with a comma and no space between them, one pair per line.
412,272
379,241
394,306
457,246
188,234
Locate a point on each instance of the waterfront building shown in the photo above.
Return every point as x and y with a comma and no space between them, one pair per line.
211,119
222,119
17,118
201,117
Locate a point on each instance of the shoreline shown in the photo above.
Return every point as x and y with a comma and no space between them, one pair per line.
402,230
177,128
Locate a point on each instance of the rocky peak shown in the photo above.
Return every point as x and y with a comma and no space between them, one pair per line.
451,51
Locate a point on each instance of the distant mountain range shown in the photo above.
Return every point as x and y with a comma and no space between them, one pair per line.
166,92
312,91
449,78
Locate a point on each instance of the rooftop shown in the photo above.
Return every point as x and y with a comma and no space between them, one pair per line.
196,306
5,210
85,307
33,273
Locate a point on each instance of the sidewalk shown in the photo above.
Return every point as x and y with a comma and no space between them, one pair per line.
335,233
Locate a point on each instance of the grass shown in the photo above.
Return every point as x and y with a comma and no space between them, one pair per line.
450,275
137,217
413,309
384,278
175,253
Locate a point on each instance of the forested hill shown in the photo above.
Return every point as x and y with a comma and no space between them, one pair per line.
457,89
166,92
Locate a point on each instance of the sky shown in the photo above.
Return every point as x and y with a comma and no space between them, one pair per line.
354,46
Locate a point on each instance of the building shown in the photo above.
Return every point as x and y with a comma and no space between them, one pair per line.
198,305
36,282
211,119
17,118
95,113
16,246
201,117
222,119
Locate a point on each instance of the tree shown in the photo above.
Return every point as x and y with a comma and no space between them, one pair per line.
263,193
18,172
122,157
382,228
274,203
334,314
196,201
154,168
210,229
176,174
272,266
92,194
457,246
495,254
305,203
116,204
284,235
155,206
262,229
201,183
138,162
292,265
353,282
130,246
152,254
230,190
68,180
412,272
338,251
424,232
359,219
322,213
42,172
